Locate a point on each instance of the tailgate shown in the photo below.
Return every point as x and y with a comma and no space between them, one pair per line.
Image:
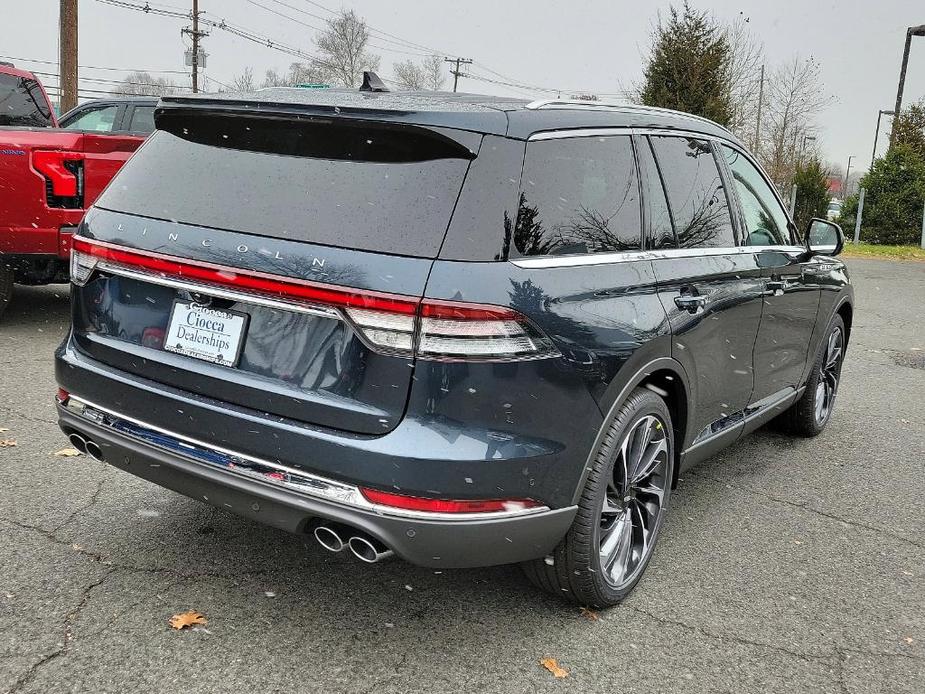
226,267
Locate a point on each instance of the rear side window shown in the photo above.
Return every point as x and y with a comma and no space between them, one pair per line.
22,103
578,195
142,120
389,190
661,232
695,192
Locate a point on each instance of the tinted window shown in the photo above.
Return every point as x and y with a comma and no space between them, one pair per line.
661,232
578,195
765,219
367,202
99,120
22,103
695,192
142,120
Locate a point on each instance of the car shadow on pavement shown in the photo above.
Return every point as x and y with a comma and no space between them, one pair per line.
36,305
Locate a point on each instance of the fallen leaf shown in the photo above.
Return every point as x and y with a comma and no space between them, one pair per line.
67,453
551,665
909,640
590,615
7,443
187,619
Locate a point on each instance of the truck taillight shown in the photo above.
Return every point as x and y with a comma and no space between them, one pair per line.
63,172
388,323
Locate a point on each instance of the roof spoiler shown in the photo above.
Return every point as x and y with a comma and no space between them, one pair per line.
372,82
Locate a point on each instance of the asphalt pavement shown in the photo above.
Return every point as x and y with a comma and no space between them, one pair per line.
785,565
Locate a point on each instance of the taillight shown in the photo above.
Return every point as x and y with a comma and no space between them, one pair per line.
420,503
63,172
388,323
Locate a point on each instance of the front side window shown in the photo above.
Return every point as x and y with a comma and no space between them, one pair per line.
695,192
765,220
100,120
578,195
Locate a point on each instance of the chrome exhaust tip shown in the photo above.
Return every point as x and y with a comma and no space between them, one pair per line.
94,450
78,442
369,550
329,538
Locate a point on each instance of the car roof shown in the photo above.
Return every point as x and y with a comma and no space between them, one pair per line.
9,69
508,116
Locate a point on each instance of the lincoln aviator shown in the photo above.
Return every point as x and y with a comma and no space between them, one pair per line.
461,330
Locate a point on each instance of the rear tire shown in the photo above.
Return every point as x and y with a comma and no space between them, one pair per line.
808,416
6,287
610,543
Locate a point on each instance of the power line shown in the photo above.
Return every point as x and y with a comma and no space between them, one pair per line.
316,28
222,25
97,67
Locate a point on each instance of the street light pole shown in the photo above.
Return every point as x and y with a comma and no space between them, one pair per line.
844,192
806,138
873,156
910,32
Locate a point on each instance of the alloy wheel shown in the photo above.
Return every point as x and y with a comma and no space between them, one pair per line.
634,502
829,373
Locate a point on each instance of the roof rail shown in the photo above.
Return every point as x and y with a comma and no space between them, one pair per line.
543,103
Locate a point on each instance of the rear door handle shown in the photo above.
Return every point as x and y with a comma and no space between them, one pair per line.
690,302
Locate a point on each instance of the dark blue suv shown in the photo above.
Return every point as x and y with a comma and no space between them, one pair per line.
456,328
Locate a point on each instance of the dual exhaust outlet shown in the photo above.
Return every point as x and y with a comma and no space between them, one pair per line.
86,446
366,548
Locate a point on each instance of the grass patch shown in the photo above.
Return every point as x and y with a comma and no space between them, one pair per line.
869,250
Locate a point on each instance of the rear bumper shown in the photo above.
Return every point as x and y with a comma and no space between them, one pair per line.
443,543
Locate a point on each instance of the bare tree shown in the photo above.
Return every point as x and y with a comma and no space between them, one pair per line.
428,74
343,49
245,81
144,84
409,75
794,97
746,57
272,78
435,77
304,73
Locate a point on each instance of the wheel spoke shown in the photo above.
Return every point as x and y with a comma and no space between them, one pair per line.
650,459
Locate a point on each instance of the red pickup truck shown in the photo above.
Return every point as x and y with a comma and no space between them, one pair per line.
48,177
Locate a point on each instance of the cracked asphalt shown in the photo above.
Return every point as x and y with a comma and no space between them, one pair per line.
785,565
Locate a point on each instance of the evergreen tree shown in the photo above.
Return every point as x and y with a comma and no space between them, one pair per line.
688,68
812,184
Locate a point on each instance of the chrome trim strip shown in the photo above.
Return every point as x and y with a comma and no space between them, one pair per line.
553,261
219,292
294,480
627,130
622,108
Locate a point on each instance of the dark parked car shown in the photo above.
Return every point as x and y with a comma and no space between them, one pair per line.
134,115
466,330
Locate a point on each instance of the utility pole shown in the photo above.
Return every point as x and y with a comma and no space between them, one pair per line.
844,192
760,104
456,73
67,24
195,34
873,157
910,32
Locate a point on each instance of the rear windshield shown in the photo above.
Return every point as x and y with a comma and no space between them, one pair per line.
22,103
386,190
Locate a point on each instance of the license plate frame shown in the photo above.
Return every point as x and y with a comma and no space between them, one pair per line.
236,335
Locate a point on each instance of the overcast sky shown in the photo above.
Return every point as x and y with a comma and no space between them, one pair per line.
580,45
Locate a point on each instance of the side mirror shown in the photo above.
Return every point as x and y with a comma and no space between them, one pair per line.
824,238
